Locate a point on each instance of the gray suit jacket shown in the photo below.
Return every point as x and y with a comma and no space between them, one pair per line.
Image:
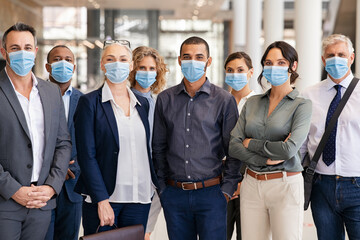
16,159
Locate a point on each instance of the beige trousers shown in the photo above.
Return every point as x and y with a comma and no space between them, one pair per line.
272,209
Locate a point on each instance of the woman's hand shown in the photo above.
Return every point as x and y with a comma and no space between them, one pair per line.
273,162
246,142
106,213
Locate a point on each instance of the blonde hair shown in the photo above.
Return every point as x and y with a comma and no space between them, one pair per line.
335,38
138,54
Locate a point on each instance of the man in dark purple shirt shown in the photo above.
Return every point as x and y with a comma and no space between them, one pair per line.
192,126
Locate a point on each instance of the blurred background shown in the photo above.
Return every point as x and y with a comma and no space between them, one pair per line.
227,25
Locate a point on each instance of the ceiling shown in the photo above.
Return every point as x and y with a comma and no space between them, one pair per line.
175,9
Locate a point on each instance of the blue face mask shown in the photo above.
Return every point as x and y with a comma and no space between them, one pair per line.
337,67
276,75
62,71
236,80
193,70
145,78
117,72
21,62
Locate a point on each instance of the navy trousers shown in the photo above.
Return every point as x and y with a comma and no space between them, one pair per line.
126,214
65,219
335,204
197,213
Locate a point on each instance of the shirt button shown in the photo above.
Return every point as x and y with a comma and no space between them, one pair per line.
29,166
29,145
191,99
187,129
188,177
188,114
186,162
187,146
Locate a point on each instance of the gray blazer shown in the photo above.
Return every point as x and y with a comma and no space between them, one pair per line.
16,159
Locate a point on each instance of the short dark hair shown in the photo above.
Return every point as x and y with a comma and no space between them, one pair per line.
239,55
289,54
57,46
197,41
19,27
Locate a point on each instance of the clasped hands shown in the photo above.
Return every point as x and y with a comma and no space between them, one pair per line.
34,196
268,161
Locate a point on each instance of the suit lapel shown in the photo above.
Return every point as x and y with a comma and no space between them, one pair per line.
144,119
45,101
110,117
72,107
10,94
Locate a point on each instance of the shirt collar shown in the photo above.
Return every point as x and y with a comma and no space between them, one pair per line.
146,95
292,95
206,87
344,83
107,95
68,91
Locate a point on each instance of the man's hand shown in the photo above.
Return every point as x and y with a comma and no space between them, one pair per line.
106,213
22,195
39,196
70,174
237,192
246,142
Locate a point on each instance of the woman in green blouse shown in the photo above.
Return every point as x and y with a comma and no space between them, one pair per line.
267,138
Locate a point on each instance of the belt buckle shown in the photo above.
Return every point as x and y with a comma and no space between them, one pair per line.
182,185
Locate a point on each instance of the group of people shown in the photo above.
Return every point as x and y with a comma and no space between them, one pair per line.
207,156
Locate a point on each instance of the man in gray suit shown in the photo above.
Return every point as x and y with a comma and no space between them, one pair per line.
34,141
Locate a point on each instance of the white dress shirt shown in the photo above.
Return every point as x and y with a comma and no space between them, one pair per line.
347,154
34,115
133,178
66,100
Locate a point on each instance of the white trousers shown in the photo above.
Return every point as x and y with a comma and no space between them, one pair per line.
272,209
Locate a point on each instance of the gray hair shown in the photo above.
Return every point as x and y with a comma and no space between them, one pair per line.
335,38
125,46
19,27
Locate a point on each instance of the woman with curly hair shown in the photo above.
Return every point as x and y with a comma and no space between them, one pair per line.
147,78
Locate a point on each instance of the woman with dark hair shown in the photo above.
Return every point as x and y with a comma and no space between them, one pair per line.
238,69
267,138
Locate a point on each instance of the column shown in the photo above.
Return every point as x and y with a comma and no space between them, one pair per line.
109,24
357,40
153,28
239,24
273,21
93,55
308,32
253,35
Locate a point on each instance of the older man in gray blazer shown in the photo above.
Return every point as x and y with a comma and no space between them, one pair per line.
35,144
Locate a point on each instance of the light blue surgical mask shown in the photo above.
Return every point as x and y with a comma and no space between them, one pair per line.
236,80
337,67
62,71
117,72
21,62
276,75
145,78
193,70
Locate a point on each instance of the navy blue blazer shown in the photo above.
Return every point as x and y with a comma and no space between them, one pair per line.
69,184
97,143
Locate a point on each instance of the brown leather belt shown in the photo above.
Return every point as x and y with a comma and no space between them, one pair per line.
269,176
195,185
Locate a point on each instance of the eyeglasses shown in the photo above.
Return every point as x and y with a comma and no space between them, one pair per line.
121,42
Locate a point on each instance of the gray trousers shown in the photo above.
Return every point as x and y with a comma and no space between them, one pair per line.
24,224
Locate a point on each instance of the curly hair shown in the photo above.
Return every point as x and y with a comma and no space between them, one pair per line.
138,54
